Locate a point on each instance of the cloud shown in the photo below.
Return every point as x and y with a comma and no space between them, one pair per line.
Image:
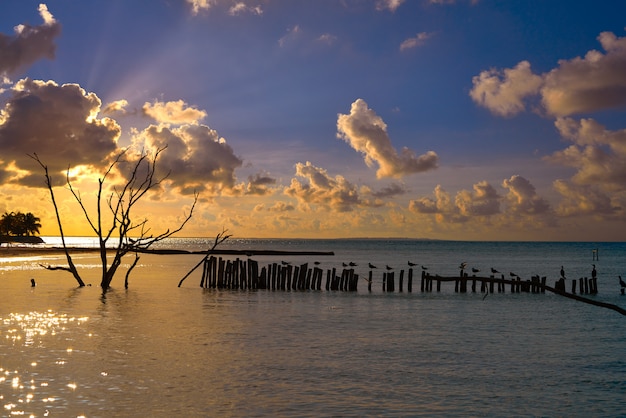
598,155
319,188
198,5
197,158
292,34
327,38
585,200
59,123
367,133
241,8
394,189
279,206
175,112
440,205
522,197
118,106
419,40
594,82
503,92
391,5
258,184
482,201
29,44
518,205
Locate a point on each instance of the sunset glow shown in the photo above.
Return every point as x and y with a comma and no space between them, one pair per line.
296,118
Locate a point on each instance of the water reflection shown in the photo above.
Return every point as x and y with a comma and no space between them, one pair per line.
27,390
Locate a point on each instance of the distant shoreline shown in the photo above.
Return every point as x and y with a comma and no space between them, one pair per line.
23,250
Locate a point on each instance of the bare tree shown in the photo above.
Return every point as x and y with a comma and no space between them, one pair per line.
126,234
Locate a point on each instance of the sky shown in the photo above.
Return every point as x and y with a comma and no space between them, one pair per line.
440,119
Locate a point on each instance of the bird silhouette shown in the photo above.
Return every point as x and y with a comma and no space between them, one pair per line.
412,264
285,263
475,270
512,274
562,272
621,282
317,263
463,265
344,264
594,273
494,271
351,264
388,268
372,266
424,268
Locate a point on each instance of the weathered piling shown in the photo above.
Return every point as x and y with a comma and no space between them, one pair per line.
410,281
391,281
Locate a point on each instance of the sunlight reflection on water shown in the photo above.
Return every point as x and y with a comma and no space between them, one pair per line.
29,390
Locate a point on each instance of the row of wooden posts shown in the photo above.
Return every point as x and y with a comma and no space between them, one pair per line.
245,274
219,273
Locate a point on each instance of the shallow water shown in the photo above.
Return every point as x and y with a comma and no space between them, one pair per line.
159,350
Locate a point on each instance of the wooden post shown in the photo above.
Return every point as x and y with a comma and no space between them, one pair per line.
384,282
369,282
574,286
586,282
220,273
423,280
401,280
410,283
302,277
391,281
263,278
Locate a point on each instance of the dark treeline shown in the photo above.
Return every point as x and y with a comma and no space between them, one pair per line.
18,224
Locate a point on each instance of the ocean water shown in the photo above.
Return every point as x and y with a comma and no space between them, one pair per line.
159,350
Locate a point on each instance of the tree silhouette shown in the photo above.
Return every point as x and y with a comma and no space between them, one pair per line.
19,224
126,234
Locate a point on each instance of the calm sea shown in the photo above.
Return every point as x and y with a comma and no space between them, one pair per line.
163,351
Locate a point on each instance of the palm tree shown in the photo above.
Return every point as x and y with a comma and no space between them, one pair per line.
31,224
6,223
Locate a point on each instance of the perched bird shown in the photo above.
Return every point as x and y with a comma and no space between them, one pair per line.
463,265
475,270
512,274
317,263
285,263
562,272
424,268
494,271
351,264
388,268
621,282
344,264
594,273
412,264
33,283
372,266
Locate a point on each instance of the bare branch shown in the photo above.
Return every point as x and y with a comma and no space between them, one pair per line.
220,238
